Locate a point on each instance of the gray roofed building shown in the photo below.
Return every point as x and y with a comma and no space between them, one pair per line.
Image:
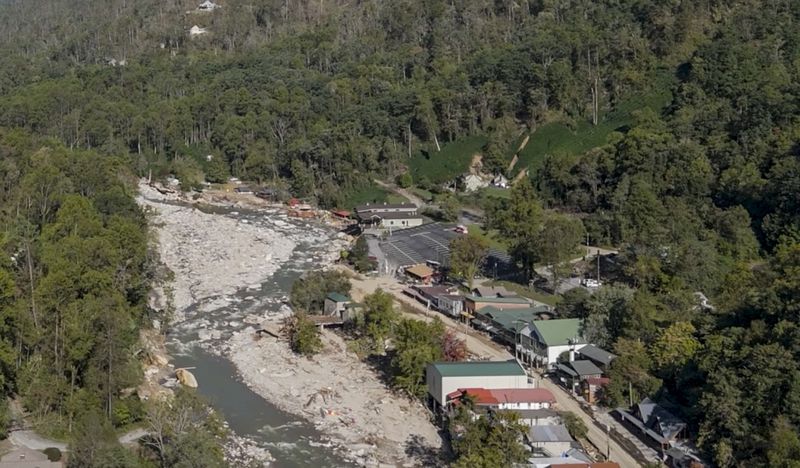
656,417
551,433
493,291
655,421
597,355
586,369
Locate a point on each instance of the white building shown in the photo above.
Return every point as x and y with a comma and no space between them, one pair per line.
443,378
389,215
473,183
550,440
546,340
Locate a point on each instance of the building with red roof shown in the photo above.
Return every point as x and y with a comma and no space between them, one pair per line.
507,398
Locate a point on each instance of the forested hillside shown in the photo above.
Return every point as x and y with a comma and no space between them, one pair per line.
701,196
73,282
324,92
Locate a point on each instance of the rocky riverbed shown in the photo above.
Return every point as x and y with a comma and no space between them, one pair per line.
233,263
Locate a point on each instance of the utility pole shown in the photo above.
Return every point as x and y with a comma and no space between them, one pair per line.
598,265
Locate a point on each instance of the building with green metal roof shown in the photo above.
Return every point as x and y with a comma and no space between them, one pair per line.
336,304
446,377
548,339
336,297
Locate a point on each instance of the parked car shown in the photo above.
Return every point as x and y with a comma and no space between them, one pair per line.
591,283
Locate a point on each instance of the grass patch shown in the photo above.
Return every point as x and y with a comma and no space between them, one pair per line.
367,193
523,291
370,193
495,192
442,166
425,195
492,237
556,137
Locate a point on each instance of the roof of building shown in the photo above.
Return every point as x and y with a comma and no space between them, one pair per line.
336,297
523,395
558,332
493,291
390,215
656,417
341,213
420,271
384,206
550,433
532,413
498,300
513,319
478,368
433,291
561,462
599,381
585,368
597,354
481,396
505,395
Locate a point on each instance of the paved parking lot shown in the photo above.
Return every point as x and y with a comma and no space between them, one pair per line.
429,243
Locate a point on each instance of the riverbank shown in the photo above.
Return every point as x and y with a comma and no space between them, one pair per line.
224,253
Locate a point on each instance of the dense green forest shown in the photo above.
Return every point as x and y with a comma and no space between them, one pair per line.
701,194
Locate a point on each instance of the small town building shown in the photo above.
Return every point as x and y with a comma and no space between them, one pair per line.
475,303
409,208
420,272
451,304
386,220
600,357
197,31
550,440
473,183
655,422
336,304
546,340
592,388
507,323
574,372
493,292
444,378
243,189
533,406
500,181
506,398
268,194
27,458
568,461
537,417
208,5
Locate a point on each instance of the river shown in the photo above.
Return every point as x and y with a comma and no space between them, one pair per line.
199,342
